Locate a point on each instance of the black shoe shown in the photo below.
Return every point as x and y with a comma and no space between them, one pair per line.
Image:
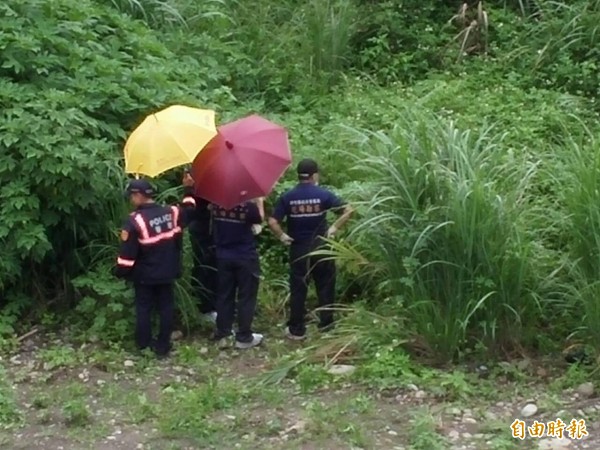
218,335
326,328
161,354
294,337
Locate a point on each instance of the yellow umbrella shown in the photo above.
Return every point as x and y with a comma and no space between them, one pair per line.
169,138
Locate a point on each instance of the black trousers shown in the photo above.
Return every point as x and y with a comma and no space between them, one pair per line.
302,269
204,273
237,278
148,298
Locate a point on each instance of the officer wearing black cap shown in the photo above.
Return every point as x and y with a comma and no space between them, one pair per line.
204,269
150,257
305,207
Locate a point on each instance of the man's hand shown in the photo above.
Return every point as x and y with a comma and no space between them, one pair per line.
333,229
256,229
187,181
285,239
331,232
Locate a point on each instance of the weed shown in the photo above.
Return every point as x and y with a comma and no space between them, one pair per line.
10,415
42,401
184,411
108,359
311,377
361,404
336,421
140,409
191,355
509,370
455,385
502,442
473,37
76,413
573,377
424,433
8,345
59,356
389,367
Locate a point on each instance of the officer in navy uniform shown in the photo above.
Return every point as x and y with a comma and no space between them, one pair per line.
204,269
151,257
238,271
305,207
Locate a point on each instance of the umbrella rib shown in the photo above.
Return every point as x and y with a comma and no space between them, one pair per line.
250,176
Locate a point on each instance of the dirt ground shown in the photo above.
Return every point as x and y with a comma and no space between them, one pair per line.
61,397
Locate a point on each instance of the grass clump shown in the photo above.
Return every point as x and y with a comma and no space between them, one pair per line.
10,415
76,413
186,411
443,229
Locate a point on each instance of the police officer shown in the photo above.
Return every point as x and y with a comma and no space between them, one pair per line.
238,271
305,207
204,269
150,256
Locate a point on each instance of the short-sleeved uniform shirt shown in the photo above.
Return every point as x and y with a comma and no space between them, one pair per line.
232,231
305,207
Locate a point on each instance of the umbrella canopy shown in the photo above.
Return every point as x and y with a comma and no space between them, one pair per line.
244,161
169,138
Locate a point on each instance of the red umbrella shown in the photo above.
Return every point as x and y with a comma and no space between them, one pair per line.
244,161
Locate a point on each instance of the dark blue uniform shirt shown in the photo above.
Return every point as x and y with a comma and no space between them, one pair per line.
305,207
151,245
199,216
232,230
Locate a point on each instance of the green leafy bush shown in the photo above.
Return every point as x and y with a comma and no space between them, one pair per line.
106,307
401,40
76,77
560,48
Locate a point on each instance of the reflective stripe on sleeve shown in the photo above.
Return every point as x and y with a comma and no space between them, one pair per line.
189,201
125,262
175,210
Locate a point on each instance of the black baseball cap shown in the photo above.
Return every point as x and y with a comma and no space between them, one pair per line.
140,186
307,168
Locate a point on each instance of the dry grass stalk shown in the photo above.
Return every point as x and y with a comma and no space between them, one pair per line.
474,25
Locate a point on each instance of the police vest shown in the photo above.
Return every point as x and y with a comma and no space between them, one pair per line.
159,236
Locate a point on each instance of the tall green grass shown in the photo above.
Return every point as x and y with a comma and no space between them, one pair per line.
446,225
153,12
581,195
329,26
